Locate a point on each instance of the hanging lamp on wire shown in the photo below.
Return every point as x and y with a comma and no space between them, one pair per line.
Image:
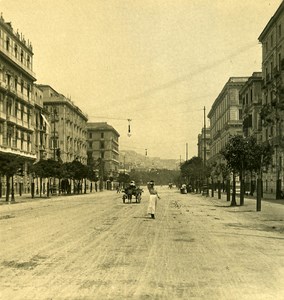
129,128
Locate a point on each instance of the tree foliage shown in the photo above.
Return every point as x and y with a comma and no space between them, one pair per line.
192,169
245,154
10,164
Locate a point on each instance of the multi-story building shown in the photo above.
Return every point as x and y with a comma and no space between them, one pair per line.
272,40
41,123
17,98
226,115
251,99
103,147
67,126
204,144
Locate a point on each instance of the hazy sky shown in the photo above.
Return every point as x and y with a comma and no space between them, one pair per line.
156,62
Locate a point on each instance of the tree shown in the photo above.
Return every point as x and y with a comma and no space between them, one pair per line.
9,166
192,171
46,169
243,154
77,172
123,178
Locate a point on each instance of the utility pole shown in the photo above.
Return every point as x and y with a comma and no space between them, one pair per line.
54,133
54,149
205,184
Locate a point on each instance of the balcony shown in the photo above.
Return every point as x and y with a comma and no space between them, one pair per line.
23,153
16,61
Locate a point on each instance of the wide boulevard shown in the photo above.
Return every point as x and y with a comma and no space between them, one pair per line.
94,246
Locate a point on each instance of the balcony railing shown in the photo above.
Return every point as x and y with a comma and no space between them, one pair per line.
16,61
8,149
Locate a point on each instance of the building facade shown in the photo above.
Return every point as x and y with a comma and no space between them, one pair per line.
67,127
251,99
103,148
272,40
203,144
18,101
226,115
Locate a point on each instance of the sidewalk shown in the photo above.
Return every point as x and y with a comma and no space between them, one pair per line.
272,211
28,198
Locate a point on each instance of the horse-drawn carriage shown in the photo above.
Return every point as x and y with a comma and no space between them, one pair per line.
132,192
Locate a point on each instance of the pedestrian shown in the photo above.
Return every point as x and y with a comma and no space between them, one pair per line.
152,199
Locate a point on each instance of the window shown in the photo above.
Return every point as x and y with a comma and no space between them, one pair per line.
90,135
28,61
28,91
22,140
22,55
16,109
90,144
102,135
102,154
16,51
8,79
22,112
28,142
28,116
22,86
7,44
240,114
102,145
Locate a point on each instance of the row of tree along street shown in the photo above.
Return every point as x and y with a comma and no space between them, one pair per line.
65,173
54,176
242,157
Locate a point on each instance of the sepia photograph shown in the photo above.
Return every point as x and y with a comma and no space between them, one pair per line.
141,149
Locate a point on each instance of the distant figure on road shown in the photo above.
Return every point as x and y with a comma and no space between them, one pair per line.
152,199
130,190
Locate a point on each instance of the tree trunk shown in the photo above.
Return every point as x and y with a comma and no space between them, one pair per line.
7,187
258,194
212,187
48,187
33,189
242,189
12,190
40,186
234,203
219,189
228,189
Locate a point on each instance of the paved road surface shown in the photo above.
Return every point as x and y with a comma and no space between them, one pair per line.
95,247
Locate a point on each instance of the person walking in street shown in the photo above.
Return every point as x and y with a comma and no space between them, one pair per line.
152,199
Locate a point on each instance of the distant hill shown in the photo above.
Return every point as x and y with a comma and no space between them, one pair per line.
134,160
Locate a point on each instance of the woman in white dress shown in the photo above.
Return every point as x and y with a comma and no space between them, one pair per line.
152,199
